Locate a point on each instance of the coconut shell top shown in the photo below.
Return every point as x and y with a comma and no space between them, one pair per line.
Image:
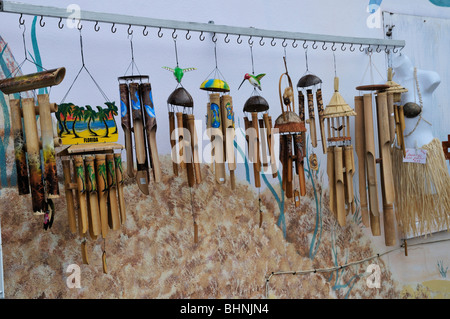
411,110
181,97
215,85
308,80
289,122
256,103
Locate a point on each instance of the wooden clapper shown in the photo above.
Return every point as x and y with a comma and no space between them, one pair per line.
40,177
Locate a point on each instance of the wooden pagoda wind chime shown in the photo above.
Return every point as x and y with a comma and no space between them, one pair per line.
292,130
258,129
220,124
386,97
187,155
28,143
136,91
340,159
94,173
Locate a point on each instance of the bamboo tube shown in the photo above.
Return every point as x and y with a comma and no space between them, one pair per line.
298,151
320,110
48,147
312,121
348,159
126,126
181,143
90,229
256,162
401,117
370,155
270,142
360,141
102,184
331,179
104,265
339,186
139,139
113,215
91,187
390,106
387,178
34,157
283,161
32,81
194,147
301,114
188,154
84,253
263,143
215,124
69,196
120,183
81,193
226,110
150,129
20,156
289,186
173,143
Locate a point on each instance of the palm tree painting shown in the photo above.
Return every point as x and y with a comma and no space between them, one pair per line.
102,115
64,112
77,114
90,115
112,111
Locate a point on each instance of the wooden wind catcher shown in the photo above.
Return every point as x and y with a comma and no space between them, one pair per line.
292,130
386,95
340,159
136,104
94,189
40,177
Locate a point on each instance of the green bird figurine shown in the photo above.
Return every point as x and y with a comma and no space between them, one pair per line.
254,80
178,72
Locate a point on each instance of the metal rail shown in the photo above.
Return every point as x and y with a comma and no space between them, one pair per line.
62,13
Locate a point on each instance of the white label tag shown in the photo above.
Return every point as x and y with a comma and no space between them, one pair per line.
143,181
413,155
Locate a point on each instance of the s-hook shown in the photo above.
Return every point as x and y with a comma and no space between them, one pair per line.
273,43
160,34
188,37
130,32
145,32
60,24
226,39
21,21
41,22
96,27
261,42
113,28
201,36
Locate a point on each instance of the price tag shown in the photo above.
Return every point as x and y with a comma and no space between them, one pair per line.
413,155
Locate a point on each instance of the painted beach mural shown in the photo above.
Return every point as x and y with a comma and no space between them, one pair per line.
87,124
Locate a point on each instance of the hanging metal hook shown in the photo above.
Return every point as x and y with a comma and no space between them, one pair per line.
41,22
130,32
60,24
250,40
324,47
174,36
214,38
333,47
273,43
145,32
294,45
305,46
96,27
113,29
160,34
188,36
201,36
79,26
394,50
239,38
314,46
343,48
361,48
378,49
21,21
352,49
369,49
386,50
284,44
226,39
261,42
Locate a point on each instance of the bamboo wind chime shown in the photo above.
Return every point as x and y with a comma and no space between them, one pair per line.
184,134
28,146
291,129
220,124
340,159
385,97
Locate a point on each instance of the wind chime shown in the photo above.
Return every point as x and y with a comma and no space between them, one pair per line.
385,97
187,156
28,146
340,159
258,129
291,129
135,90
308,86
220,123
94,172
